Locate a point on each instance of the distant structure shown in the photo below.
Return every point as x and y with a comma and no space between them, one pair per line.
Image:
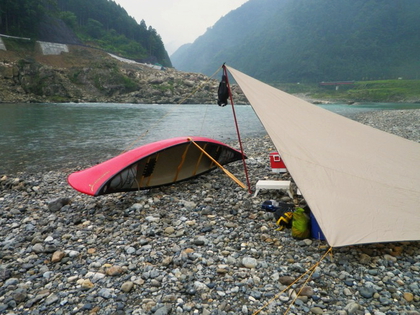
336,83
2,46
52,48
46,48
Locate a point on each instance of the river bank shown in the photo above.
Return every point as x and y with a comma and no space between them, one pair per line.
200,247
86,75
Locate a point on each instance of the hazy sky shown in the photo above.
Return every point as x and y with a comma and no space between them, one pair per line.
179,21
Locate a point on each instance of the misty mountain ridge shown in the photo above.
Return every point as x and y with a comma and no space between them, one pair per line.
311,41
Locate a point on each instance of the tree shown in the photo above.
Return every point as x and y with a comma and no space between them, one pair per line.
21,17
69,18
94,28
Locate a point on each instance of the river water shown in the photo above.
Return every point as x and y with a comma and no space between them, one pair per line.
46,137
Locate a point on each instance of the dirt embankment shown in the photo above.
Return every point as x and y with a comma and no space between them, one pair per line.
88,75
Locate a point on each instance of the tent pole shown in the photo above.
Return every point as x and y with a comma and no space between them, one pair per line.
237,128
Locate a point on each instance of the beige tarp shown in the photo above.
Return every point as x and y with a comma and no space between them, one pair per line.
362,184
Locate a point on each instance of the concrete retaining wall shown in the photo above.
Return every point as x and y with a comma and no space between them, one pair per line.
2,46
52,48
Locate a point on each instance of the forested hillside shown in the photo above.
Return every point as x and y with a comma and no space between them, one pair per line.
312,41
98,23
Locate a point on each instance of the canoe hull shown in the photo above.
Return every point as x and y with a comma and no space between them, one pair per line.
153,165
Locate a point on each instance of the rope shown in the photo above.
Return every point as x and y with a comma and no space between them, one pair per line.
199,86
204,119
131,144
219,165
311,270
237,129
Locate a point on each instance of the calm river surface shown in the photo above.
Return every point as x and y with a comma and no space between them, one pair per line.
46,137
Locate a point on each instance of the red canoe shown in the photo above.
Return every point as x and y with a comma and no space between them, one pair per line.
152,165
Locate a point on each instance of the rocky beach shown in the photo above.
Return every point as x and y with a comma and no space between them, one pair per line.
204,246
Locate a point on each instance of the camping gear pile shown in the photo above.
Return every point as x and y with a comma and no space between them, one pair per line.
289,216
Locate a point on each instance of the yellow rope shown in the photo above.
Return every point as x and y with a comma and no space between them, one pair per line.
169,112
297,295
311,270
219,165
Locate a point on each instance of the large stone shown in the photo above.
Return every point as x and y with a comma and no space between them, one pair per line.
85,284
367,292
306,291
57,204
114,271
249,262
316,310
352,308
127,286
57,256
169,230
408,296
286,280
5,274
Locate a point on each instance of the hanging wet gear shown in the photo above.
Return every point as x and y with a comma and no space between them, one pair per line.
300,224
223,92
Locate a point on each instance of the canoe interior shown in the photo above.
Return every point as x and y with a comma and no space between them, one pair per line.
173,164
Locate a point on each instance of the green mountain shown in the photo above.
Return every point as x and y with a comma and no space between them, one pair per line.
101,24
311,41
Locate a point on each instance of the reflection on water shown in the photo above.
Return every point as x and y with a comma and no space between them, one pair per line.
59,136
56,136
